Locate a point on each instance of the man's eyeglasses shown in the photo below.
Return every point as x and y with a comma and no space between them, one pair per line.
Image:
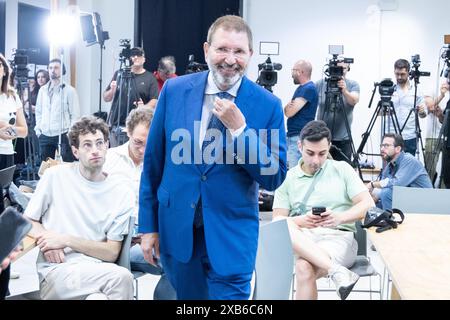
88,146
223,51
385,145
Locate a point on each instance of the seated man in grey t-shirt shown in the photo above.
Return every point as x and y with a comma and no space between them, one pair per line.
80,216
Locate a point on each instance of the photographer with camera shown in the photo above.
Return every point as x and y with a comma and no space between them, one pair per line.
139,88
334,118
301,109
442,142
403,101
57,108
434,118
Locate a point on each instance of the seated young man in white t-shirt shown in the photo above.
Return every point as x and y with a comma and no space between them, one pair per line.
80,215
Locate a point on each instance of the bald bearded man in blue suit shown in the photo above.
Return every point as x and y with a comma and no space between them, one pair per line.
198,202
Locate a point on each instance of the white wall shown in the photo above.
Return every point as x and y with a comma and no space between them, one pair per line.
12,21
118,19
374,38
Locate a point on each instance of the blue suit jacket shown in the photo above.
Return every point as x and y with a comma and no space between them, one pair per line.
169,191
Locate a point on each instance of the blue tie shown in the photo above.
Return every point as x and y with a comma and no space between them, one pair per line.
214,123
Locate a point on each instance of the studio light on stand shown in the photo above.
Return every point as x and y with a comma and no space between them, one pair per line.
62,30
92,31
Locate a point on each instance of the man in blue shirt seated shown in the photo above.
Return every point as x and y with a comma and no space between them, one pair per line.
402,169
301,109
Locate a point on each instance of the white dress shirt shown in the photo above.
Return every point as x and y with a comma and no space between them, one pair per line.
211,91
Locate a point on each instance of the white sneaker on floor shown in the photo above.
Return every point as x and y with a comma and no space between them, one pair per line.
14,275
344,280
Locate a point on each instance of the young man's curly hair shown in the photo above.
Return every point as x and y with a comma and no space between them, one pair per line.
85,125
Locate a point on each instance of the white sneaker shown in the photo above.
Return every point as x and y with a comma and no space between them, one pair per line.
344,280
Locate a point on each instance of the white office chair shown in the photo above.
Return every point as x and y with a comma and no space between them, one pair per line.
163,290
274,262
124,257
362,265
421,200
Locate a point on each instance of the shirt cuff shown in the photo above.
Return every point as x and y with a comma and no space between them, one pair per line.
384,182
237,132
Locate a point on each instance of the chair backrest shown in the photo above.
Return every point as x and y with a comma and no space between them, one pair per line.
361,239
421,200
124,257
6,176
274,262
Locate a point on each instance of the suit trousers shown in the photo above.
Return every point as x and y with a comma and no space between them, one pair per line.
197,280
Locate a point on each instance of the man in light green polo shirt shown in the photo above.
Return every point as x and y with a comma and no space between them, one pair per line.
324,244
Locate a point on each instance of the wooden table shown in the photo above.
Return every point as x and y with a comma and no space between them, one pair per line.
417,256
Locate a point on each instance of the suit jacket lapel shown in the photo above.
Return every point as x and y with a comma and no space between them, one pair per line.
243,99
193,111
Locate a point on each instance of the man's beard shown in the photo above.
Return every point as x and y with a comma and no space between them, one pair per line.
55,76
388,158
224,83
401,81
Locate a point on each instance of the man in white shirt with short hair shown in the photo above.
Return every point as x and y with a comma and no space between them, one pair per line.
80,216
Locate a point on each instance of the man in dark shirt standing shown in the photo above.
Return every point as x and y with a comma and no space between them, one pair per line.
334,115
143,91
301,109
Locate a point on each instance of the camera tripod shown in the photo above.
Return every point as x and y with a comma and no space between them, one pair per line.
334,104
126,85
31,144
385,109
442,144
417,129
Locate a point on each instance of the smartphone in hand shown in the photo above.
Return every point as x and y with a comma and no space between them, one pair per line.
317,211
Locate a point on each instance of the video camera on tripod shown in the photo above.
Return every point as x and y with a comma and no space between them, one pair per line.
125,54
268,76
19,63
416,74
194,67
334,72
386,88
446,57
